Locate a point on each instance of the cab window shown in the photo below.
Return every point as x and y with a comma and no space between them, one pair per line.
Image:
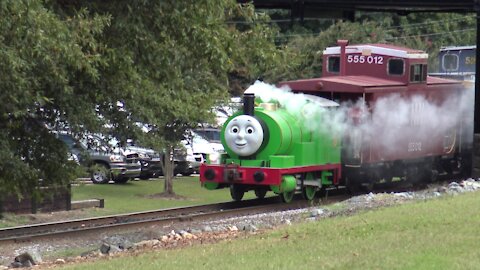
418,73
395,66
333,64
450,62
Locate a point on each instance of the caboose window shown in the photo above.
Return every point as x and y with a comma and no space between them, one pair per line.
450,62
395,67
333,64
418,73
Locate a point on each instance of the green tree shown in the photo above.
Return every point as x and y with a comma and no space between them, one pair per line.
305,52
146,70
46,66
180,54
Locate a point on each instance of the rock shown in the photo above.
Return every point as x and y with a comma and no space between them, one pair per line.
16,265
195,231
105,248
405,195
455,187
119,241
189,236
59,261
442,189
470,185
288,222
24,260
311,219
316,212
207,229
249,228
114,249
233,228
37,258
147,243
165,238
370,196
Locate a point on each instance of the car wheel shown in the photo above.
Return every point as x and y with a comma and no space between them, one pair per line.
145,176
187,173
120,180
99,174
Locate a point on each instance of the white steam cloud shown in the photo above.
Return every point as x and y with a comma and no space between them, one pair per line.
394,122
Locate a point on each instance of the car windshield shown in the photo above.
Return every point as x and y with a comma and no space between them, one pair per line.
71,142
212,135
199,140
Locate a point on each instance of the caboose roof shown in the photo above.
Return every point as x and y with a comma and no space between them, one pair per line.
380,49
458,48
352,84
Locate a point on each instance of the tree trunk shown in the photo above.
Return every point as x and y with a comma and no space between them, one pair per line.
168,171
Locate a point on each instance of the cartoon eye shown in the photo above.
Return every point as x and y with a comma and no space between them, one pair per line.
234,129
250,130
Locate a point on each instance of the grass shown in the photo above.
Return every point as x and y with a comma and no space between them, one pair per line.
130,197
436,234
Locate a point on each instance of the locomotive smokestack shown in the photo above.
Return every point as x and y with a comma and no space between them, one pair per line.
343,57
248,103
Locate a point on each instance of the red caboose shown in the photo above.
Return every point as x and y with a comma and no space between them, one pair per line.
401,122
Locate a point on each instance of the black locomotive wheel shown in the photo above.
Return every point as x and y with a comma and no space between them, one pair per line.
353,187
287,196
237,192
260,193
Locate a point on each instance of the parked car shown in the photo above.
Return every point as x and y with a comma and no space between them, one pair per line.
104,164
150,160
200,148
210,134
193,160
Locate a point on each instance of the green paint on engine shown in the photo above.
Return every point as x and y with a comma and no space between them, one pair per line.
289,183
210,185
253,163
325,177
282,161
289,142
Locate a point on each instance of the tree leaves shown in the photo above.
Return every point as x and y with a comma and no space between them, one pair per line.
113,67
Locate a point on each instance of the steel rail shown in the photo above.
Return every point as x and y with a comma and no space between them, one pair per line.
19,231
171,216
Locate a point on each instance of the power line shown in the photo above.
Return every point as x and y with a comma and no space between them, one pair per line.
428,23
432,34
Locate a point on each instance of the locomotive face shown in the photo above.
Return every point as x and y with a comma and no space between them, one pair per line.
244,135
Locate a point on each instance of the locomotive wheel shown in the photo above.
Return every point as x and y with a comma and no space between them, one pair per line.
260,193
287,196
308,193
237,192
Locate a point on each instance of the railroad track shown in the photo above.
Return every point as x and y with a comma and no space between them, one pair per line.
163,217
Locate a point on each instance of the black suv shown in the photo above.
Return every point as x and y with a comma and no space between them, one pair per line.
103,164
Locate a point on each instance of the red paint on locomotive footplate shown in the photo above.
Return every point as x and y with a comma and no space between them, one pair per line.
273,176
